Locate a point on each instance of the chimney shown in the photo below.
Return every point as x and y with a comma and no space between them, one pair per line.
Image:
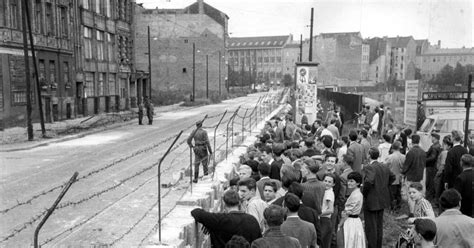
201,6
439,43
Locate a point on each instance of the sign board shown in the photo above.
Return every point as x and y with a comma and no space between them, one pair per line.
459,96
411,99
306,91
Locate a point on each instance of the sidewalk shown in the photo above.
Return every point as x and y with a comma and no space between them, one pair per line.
15,139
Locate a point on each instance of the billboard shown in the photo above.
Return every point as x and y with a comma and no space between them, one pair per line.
306,91
411,102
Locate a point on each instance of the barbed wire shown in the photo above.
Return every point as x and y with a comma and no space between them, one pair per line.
45,192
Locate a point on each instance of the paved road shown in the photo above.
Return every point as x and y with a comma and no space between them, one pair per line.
115,199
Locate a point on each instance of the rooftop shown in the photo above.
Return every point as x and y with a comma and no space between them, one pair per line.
446,51
259,42
399,41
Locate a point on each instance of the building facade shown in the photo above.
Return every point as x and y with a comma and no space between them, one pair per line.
104,79
343,58
52,24
172,35
434,59
268,57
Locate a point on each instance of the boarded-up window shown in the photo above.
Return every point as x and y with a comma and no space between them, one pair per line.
89,87
112,85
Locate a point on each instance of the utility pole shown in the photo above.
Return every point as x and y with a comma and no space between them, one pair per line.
194,72
311,37
220,73
29,125
207,76
468,109
149,62
301,47
33,53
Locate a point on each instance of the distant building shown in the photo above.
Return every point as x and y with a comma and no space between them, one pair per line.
402,58
421,47
270,57
379,52
173,33
433,60
103,56
343,58
52,24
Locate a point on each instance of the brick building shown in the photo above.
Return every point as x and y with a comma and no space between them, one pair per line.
343,58
104,79
269,57
173,32
52,27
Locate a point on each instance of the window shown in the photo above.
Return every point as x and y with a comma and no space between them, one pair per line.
401,66
87,43
49,19
184,70
98,6
64,21
186,41
100,84
112,85
100,45
52,71
272,59
85,4
278,59
89,87
110,47
15,15
42,69
2,24
19,96
108,8
259,59
66,72
38,17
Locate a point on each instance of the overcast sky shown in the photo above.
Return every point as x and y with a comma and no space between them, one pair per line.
450,21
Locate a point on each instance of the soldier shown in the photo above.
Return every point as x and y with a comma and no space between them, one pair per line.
140,113
201,147
149,111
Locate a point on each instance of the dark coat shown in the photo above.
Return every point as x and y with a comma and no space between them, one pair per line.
222,226
313,194
464,184
310,215
301,230
356,150
414,165
377,179
432,155
275,169
453,168
273,238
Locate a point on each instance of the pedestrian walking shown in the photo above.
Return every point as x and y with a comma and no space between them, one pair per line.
395,163
431,159
413,168
140,113
440,163
201,148
356,151
452,167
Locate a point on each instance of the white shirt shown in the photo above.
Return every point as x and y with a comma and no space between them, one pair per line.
326,132
327,201
375,122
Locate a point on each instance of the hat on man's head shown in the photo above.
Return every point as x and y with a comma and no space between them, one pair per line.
199,123
435,135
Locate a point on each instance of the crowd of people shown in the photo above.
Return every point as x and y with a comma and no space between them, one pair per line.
307,185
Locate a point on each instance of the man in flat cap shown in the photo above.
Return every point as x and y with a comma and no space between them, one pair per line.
201,147
431,159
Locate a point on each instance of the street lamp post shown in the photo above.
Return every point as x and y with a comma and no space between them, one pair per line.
219,73
207,76
194,72
149,63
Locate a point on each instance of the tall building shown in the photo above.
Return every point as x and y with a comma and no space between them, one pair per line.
52,24
343,58
268,57
402,58
172,35
434,59
103,56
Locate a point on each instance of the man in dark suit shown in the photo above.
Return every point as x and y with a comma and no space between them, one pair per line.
294,226
452,167
464,184
304,212
431,159
222,226
377,179
413,167
356,151
313,188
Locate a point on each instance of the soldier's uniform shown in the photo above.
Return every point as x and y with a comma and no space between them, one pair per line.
140,113
201,147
